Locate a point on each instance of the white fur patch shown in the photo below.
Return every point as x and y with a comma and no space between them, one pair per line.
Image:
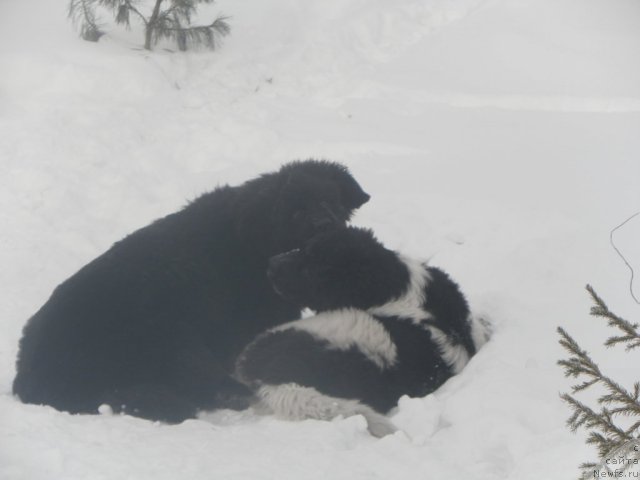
456,356
291,401
348,328
481,331
409,304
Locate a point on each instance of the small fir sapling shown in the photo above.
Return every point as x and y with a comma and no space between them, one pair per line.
168,19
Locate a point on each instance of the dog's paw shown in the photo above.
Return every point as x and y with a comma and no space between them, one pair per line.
378,425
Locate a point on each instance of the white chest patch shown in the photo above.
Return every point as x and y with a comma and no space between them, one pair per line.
348,328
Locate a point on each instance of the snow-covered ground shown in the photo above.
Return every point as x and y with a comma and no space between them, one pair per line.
499,138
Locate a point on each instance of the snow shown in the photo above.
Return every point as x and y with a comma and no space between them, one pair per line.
499,138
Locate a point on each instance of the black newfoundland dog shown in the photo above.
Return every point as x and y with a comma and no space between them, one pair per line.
389,326
153,326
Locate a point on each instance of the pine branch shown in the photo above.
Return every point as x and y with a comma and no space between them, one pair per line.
633,428
584,416
122,17
602,443
110,4
588,465
579,363
123,10
630,336
82,15
603,431
617,393
206,35
133,9
182,9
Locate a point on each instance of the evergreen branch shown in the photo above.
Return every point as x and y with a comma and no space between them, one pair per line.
617,394
121,9
133,9
221,26
603,431
83,16
633,428
579,363
587,470
625,410
630,330
111,4
183,8
584,385
602,443
122,17
588,465
199,35
583,415
625,339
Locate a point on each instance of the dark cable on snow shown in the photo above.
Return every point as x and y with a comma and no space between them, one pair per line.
623,257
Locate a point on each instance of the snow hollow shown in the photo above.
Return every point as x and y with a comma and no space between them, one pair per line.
498,138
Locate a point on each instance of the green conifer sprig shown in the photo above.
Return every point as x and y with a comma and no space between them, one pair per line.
605,433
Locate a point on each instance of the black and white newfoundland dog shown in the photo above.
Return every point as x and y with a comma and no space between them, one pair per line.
153,326
387,326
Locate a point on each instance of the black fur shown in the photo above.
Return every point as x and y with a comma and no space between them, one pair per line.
153,326
351,264
349,269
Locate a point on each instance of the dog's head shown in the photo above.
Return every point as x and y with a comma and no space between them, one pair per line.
282,210
340,268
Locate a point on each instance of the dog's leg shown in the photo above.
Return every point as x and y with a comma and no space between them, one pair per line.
199,376
294,402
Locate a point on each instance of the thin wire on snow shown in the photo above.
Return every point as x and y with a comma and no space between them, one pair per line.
623,257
